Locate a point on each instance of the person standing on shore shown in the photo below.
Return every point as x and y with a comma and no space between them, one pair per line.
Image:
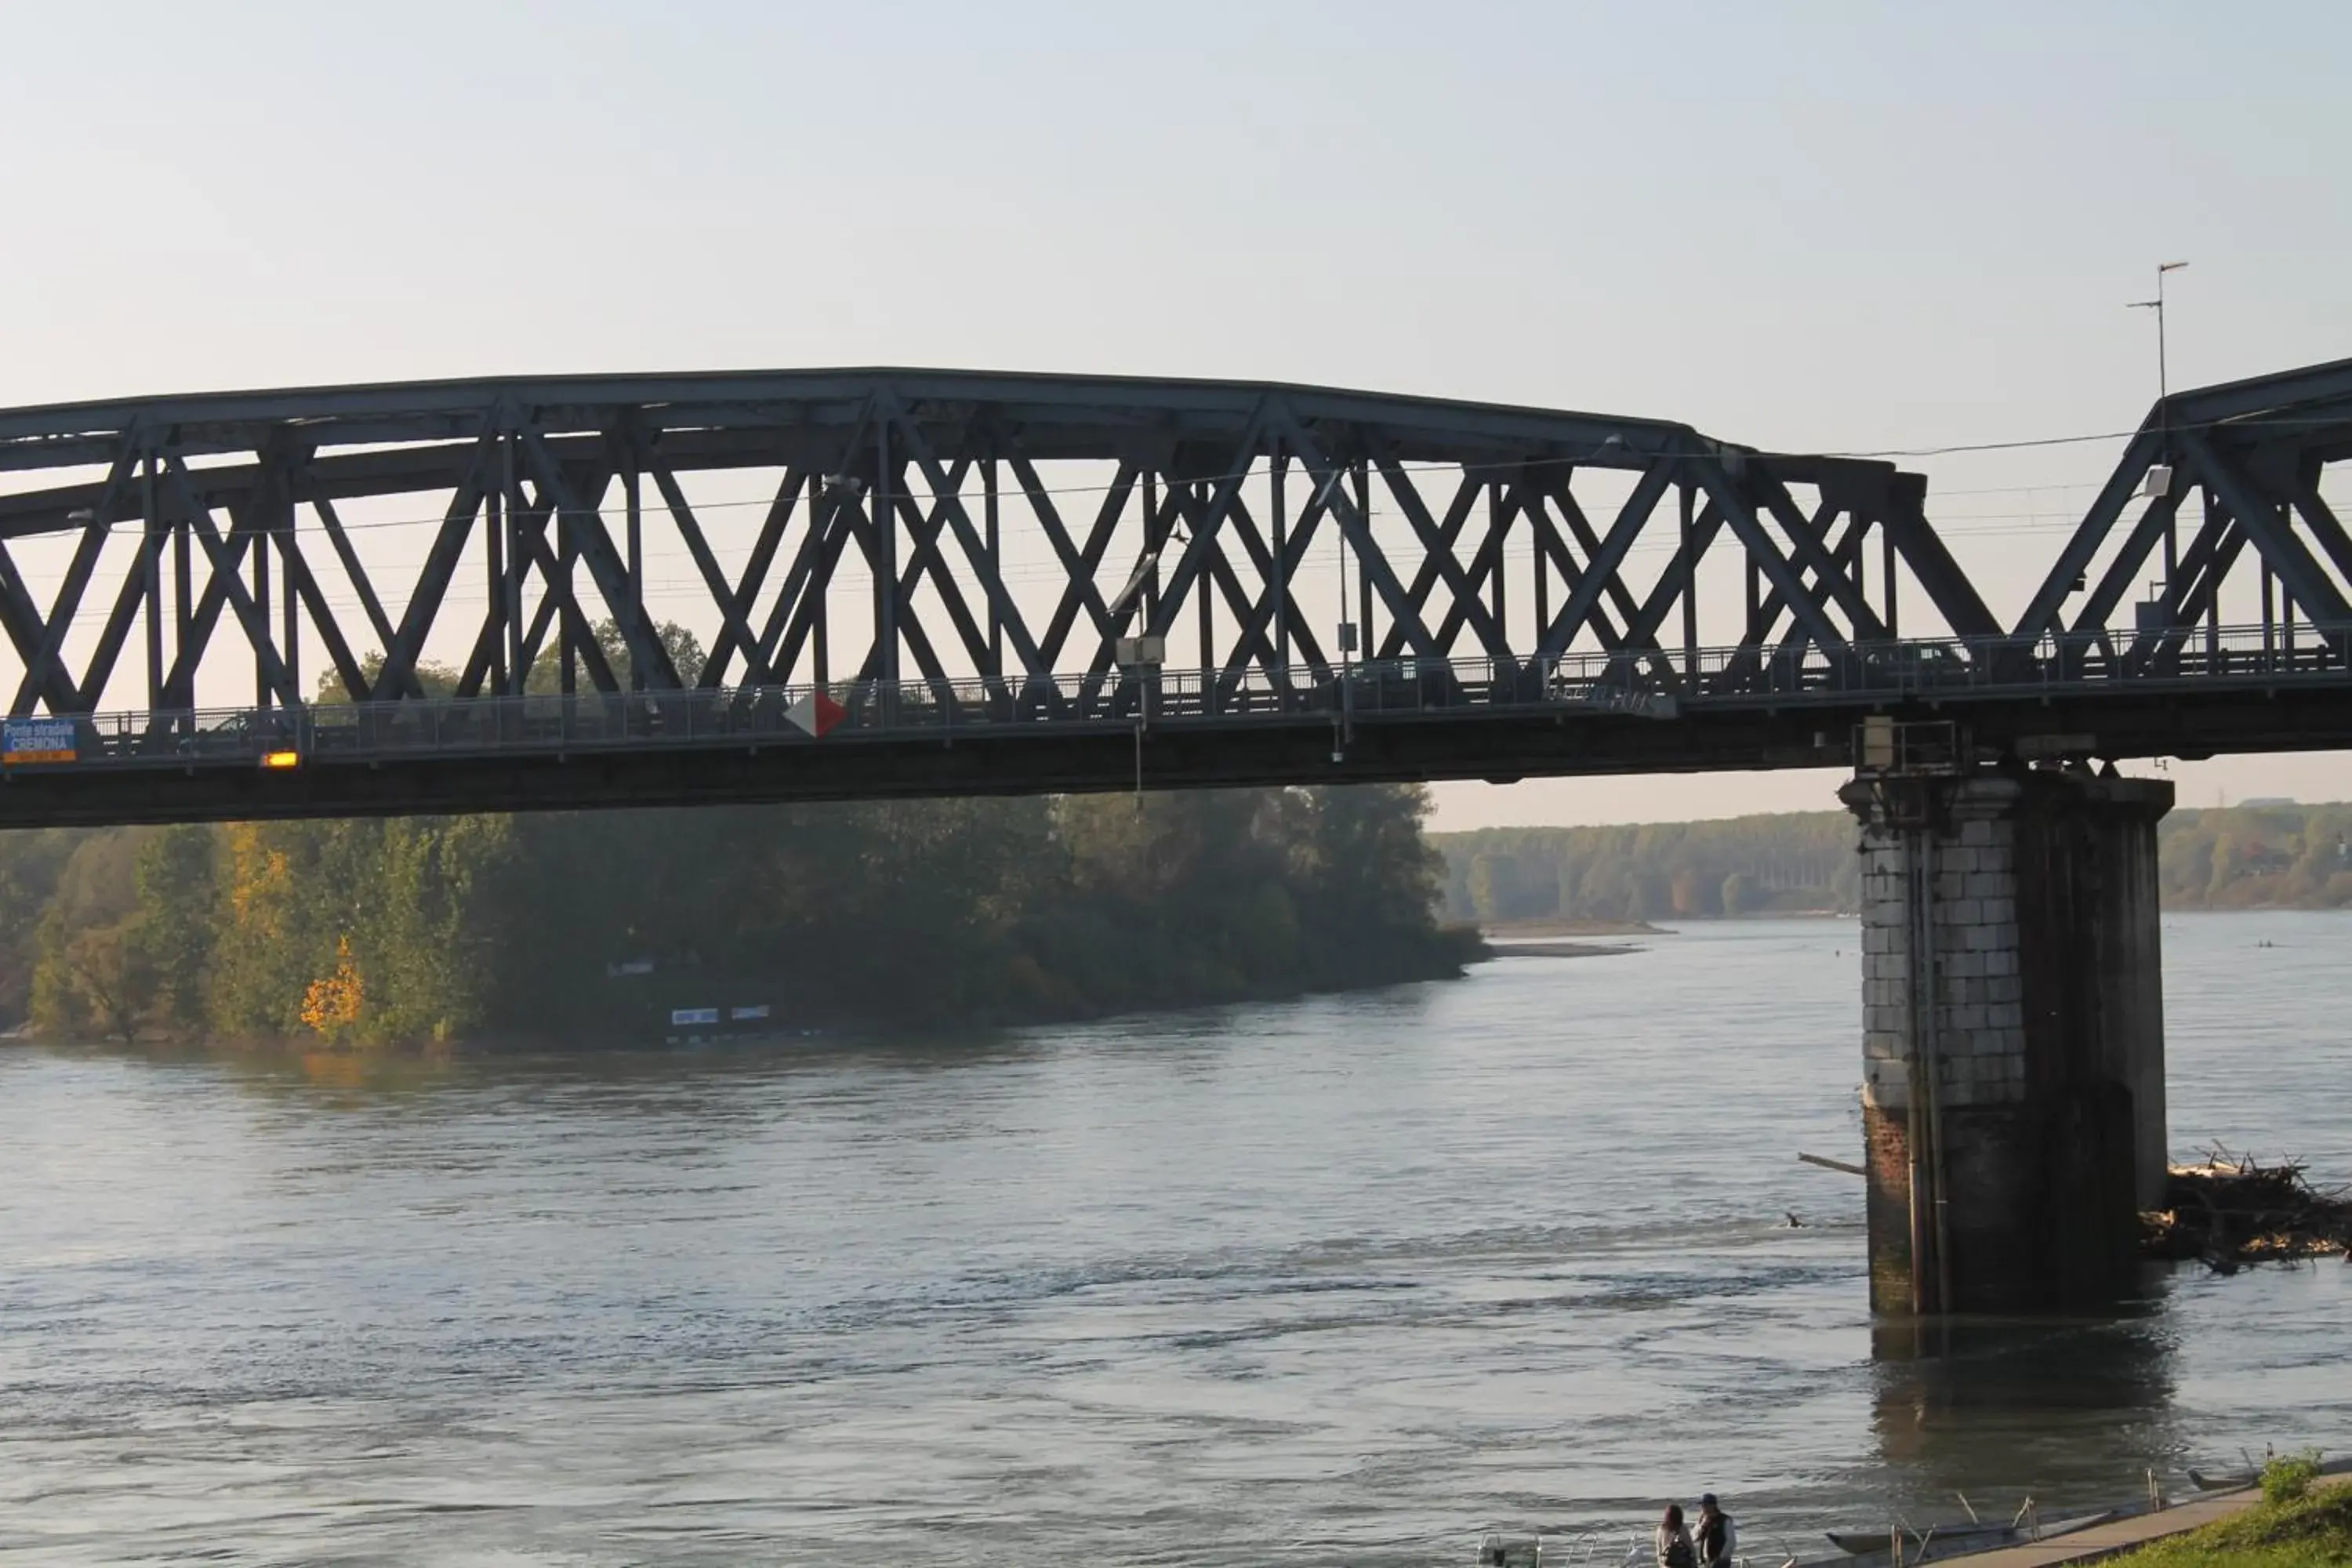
1674,1549
1716,1537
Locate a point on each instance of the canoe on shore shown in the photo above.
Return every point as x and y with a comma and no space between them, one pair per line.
1860,1542
2235,1480
1864,1547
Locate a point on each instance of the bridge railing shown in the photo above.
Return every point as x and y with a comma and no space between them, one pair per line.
1648,683
2006,666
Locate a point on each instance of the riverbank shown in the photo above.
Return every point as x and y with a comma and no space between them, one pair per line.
2274,1526
1557,950
631,1023
1555,925
618,926
2130,1540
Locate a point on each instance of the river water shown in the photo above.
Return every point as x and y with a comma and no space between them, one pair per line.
1343,1280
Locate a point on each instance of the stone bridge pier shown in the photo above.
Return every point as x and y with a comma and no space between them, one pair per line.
2013,1034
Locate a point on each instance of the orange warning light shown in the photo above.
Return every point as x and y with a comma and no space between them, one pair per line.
281,759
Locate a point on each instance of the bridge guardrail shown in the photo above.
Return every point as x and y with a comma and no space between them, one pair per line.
1653,683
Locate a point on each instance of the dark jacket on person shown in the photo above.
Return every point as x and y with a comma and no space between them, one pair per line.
1716,1540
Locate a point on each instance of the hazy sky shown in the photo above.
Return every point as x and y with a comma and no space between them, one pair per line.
1810,225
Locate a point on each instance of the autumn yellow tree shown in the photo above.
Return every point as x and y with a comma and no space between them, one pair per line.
331,1005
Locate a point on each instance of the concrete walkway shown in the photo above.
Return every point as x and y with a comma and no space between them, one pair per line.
2120,1535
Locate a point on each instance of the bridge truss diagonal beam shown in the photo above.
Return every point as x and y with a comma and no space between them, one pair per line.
1083,550
2256,451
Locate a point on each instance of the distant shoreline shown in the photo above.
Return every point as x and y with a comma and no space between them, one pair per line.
2263,854
1561,949
1555,925
1562,925
1526,930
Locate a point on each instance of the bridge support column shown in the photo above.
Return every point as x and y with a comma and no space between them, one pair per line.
2013,1097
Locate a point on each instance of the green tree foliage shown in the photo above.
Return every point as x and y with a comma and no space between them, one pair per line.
2288,1478
2257,855
1681,870
175,880
1512,886
31,863
2223,866
438,679
1737,895
410,897
546,672
99,980
576,925
684,648
92,974
1371,879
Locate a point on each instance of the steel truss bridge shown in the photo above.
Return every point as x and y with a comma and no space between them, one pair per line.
446,594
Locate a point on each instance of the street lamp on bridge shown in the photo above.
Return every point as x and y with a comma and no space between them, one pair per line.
2159,475
2163,381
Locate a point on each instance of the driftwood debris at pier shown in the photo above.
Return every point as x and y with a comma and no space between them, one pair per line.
2230,1211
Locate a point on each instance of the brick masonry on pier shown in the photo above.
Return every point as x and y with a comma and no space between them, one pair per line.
2038,1054
1978,996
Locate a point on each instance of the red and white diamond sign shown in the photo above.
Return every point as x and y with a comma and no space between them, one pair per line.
815,714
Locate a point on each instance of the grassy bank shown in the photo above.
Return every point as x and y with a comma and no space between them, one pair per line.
2298,1524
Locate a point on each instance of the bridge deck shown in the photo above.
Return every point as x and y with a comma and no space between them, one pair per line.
1389,719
